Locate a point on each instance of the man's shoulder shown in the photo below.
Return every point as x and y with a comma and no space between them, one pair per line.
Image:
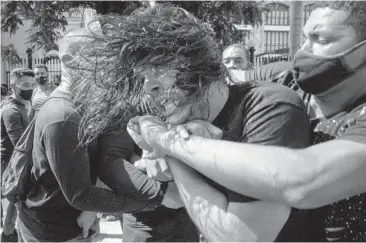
349,125
265,93
356,118
58,109
10,106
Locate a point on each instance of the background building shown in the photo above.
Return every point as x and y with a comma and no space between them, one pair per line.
270,40
273,36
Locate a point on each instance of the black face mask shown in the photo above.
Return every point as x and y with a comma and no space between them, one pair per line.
26,94
41,80
316,74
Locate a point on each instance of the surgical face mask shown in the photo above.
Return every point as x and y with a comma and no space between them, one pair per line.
26,94
41,80
316,74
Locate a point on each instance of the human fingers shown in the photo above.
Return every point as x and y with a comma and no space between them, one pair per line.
182,131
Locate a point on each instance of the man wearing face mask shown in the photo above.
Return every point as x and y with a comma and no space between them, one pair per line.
236,57
328,176
14,120
43,90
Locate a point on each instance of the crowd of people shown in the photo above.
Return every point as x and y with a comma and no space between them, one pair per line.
151,123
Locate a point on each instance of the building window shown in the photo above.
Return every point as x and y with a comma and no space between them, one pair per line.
307,10
248,35
275,40
278,14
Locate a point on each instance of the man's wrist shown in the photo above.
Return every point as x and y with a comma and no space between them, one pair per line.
162,141
171,143
179,147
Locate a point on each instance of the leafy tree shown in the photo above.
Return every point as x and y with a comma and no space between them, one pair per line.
9,53
223,15
48,18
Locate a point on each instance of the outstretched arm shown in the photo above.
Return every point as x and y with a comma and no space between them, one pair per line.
221,220
301,178
304,178
264,73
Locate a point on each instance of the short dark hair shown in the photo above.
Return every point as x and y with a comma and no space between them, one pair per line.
40,66
356,17
17,73
20,72
241,47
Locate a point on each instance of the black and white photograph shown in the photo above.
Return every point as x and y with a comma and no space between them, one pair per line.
183,121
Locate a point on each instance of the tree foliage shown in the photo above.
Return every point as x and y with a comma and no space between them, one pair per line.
9,53
224,15
48,17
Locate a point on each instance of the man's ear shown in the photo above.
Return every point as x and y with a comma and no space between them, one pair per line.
12,86
67,58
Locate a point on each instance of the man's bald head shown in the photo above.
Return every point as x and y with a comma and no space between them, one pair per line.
70,48
71,44
236,56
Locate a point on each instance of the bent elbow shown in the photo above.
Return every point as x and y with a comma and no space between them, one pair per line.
304,198
77,200
298,188
295,198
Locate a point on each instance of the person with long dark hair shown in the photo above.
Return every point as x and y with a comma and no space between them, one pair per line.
328,176
172,56
64,171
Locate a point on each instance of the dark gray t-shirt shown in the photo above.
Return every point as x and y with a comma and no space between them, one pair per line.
269,114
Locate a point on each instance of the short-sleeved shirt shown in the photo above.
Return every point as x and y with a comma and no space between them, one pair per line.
344,220
269,114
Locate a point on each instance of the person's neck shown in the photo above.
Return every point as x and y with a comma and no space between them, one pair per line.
19,99
65,87
218,94
342,95
45,86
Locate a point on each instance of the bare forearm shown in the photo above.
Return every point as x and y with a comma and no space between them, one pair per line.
301,178
264,73
208,207
233,165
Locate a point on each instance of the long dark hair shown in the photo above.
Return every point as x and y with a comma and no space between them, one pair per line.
156,36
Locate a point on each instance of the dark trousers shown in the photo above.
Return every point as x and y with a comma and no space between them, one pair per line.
24,235
154,227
